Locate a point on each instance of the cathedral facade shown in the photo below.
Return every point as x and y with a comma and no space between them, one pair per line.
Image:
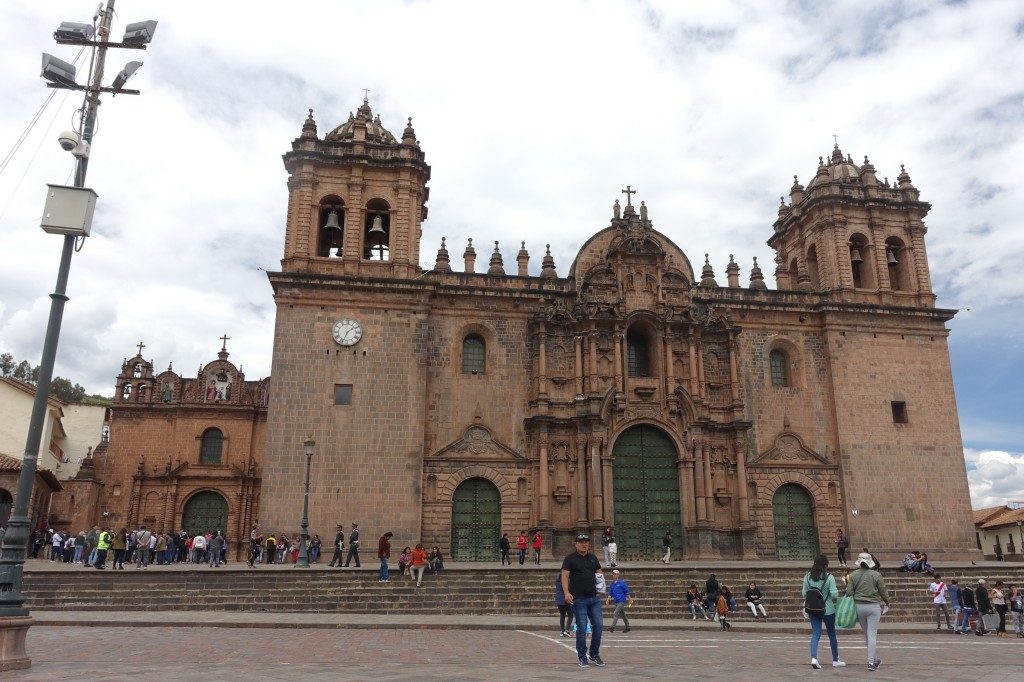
630,390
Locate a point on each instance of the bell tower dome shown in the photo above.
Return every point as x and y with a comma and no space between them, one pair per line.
356,199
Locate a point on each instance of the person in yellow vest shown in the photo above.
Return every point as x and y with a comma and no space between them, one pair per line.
102,547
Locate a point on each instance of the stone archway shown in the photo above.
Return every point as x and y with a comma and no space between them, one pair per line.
206,510
645,479
476,520
793,520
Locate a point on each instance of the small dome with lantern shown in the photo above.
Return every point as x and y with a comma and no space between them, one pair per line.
375,130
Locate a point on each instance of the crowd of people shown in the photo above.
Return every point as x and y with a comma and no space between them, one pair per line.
142,547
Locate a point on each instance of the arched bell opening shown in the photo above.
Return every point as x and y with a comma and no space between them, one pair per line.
812,268
377,231
860,263
331,227
897,260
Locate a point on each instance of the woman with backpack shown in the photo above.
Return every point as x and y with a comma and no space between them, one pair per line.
819,592
1017,609
867,588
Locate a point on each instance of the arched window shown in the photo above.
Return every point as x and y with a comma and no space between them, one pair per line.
140,394
331,227
474,354
860,262
794,273
896,258
126,392
137,370
212,447
377,230
638,353
812,268
779,365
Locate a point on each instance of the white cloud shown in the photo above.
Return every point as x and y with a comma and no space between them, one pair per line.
994,476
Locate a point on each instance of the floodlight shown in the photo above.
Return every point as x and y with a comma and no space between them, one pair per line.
69,30
129,69
139,33
57,71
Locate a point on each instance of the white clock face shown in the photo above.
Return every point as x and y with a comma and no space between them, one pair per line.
347,332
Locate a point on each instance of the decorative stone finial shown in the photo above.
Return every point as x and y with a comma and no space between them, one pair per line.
523,259
497,268
309,127
547,266
443,263
409,134
469,256
757,277
707,275
732,271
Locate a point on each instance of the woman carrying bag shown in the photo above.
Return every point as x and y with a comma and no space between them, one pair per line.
867,588
819,592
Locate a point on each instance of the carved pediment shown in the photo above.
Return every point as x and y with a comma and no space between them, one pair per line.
789,451
477,443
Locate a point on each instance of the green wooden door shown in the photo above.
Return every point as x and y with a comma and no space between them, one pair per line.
646,493
476,520
205,511
793,516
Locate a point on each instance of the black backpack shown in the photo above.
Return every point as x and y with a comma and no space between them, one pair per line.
814,601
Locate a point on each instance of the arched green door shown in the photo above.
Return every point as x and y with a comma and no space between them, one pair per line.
646,493
205,511
476,520
793,516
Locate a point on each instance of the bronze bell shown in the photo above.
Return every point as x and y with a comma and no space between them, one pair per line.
890,257
332,221
377,236
855,256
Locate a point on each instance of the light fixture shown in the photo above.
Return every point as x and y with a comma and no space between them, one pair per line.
57,71
310,444
127,72
70,30
139,33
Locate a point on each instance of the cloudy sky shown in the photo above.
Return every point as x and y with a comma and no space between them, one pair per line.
533,117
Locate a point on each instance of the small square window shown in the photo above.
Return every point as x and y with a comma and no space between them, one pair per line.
899,412
343,394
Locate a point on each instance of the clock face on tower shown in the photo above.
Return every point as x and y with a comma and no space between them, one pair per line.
347,332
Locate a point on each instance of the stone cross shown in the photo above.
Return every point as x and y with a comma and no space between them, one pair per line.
141,346
224,346
629,192
366,94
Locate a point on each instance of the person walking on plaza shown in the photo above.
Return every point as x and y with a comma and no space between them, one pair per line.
119,544
217,545
91,540
353,546
820,593
270,548
867,588
521,547
579,585
842,543
564,610
968,608
142,538
418,563
1016,599
939,594
696,602
384,553
606,540
998,597
722,610
505,546
255,542
618,592
339,546
199,549
981,594
537,544
754,598
666,542
953,599
711,589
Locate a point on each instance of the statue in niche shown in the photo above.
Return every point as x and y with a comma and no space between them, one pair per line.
219,387
561,467
211,392
616,210
167,392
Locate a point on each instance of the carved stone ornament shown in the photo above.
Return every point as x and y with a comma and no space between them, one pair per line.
477,442
789,450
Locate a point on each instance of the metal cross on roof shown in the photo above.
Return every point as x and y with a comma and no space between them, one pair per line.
225,339
141,346
629,192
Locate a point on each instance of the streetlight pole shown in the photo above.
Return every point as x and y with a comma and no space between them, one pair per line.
14,617
303,561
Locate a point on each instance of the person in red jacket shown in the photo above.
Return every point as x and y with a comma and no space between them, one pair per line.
537,542
521,544
384,553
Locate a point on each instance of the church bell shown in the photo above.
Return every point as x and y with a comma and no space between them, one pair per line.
890,257
332,221
855,256
377,236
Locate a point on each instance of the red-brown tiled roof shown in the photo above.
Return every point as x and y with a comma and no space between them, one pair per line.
8,463
988,513
1010,517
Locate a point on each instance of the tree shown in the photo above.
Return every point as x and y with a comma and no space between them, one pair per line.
23,371
63,388
6,364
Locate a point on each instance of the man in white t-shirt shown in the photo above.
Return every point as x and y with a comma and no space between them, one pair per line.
56,545
938,592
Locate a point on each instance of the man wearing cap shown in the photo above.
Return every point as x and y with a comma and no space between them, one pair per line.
339,546
618,592
579,584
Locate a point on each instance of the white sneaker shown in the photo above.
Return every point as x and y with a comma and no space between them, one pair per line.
695,618
838,664
815,664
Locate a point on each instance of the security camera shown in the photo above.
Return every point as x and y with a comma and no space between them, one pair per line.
69,139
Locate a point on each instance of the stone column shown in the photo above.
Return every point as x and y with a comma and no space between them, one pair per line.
581,481
596,498
578,339
920,259
741,478
698,461
692,343
709,489
542,381
620,381
670,379
734,376
608,497
878,250
701,386
685,492
592,349
544,492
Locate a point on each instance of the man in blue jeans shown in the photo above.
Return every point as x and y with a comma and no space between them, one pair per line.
579,584
384,553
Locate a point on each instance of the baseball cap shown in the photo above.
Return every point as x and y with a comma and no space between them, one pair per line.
581,537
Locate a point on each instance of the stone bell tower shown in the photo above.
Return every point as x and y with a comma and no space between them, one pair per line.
356,199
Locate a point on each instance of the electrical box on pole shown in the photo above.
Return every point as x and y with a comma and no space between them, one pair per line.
68,210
